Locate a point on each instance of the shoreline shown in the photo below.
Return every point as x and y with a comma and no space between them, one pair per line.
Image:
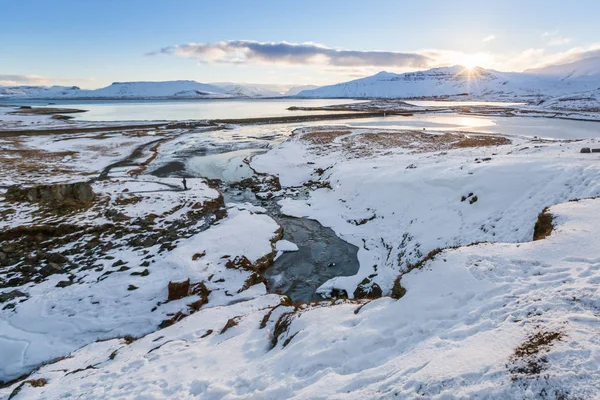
202,123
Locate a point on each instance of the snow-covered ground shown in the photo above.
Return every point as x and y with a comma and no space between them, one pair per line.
410,196
446,216
106,270
503,320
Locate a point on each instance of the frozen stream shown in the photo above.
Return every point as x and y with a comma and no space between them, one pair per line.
322,255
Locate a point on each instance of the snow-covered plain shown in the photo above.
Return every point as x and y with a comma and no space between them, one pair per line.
507,318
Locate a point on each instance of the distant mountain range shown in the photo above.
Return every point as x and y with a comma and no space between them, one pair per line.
476,83
539,84
142,90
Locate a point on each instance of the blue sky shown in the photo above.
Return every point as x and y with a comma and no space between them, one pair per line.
93,43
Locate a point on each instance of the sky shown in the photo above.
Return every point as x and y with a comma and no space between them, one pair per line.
92,43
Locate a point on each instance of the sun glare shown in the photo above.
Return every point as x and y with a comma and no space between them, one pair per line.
471,61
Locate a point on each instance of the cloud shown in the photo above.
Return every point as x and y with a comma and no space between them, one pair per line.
488,38
38,80
14,80
537,58
554,38
252,52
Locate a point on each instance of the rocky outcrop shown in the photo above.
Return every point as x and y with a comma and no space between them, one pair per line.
75,192
368,290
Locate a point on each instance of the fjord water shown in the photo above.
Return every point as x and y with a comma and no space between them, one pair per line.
172,110
447,103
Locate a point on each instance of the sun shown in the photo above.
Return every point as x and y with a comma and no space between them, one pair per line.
469,65
472,61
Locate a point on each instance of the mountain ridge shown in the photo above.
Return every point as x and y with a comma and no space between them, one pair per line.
457,80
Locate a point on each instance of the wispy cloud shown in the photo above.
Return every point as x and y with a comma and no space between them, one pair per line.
554,38
38,80
488,38
13,80
252,52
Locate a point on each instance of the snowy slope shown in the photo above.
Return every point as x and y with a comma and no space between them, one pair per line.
249,90
514,319
37,91
576,69
156,90
449,81
583,101
297,89
139,90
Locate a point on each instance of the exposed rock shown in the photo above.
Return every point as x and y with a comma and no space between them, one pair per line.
368,290
51,269
56,258
7,296
339,293
79,192
62,117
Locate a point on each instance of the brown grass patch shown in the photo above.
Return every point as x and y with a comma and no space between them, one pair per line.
543,226
366,143
528,359
323,137
419,142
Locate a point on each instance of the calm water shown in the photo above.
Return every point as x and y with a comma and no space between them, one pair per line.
518,126
170,110
437,103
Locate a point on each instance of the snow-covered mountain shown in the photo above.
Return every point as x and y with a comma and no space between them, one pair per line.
297,89
583,101
177,89
42,91
587,67
183,89
456,80
249,91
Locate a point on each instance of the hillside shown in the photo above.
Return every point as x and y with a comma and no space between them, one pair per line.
588,67
35,91
156,90
455,81
183,89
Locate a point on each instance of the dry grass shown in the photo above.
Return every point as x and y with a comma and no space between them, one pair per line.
369,143
323,137
419,142
543,226
33,162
